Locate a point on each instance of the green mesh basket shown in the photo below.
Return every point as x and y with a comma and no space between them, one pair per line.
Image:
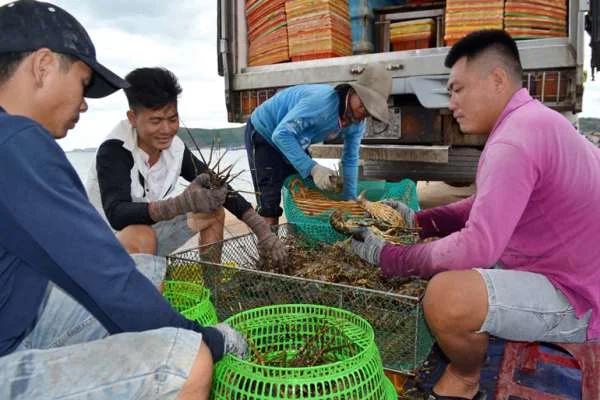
191,300
284,332
317,227
389,390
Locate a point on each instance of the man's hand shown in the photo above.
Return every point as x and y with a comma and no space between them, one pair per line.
268,243
370,248
195,198
235,343
272,246
323,177
407,213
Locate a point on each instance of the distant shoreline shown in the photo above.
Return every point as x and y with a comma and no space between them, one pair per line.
203,148
227,138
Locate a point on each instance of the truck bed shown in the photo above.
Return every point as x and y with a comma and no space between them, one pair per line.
539,54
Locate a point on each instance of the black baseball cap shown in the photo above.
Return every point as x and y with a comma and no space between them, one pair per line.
28,25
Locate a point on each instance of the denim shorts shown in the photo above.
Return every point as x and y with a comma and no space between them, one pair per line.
172,234
70,355
525,306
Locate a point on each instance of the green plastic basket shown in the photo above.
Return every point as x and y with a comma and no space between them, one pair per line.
317,227
280,331
191,300
389,390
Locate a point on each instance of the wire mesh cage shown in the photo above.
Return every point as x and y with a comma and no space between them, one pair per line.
401,333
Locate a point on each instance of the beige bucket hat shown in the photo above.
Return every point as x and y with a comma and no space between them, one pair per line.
373,87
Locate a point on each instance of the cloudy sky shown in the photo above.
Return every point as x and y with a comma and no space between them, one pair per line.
181,36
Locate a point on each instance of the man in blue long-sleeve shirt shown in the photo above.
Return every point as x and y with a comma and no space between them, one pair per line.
281,129
77,318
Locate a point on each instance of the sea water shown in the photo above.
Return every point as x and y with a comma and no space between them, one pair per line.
82,160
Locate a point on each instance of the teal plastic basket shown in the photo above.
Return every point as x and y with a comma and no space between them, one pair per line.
317,227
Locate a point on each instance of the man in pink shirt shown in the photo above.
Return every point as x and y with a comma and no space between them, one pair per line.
519,259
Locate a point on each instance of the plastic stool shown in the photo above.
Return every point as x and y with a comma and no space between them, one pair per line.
524,356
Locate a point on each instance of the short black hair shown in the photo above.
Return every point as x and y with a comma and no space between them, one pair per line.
9,62
151,88
475,43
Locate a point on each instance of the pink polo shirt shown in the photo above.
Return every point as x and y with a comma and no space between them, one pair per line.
536,209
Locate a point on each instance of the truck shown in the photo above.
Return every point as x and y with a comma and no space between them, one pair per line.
422,142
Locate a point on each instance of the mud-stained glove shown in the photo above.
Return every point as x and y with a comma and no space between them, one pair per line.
407,213
370,248
268,242
195,198
235,343
323,177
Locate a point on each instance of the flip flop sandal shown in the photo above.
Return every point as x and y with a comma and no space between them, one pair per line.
434,396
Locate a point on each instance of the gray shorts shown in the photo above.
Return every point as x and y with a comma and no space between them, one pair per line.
172,234
525,306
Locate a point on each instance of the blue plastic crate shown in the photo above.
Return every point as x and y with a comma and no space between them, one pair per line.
362,22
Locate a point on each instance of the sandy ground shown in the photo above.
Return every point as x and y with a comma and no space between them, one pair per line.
431,194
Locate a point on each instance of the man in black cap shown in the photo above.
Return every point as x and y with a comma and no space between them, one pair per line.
77,318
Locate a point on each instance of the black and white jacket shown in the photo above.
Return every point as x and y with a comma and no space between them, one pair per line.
116,181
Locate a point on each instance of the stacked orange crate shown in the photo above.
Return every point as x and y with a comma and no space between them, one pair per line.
318,29
267,32
531,19
465,16
410,35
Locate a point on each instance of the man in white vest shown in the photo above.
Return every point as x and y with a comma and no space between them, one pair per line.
136,170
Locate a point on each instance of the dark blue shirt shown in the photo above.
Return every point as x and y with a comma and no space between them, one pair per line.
49,231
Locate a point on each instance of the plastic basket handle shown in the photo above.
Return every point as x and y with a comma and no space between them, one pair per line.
297,187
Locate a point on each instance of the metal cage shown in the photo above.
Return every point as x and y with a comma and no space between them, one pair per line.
401,333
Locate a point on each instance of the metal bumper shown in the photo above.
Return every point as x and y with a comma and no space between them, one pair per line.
387,152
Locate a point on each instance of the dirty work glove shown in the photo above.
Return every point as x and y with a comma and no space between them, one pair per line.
195,198
370,248
268,242
407,213
321,175
235,343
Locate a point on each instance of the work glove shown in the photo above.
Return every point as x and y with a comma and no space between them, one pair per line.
196,198
323,177
369,248
235,343
407,213
268,242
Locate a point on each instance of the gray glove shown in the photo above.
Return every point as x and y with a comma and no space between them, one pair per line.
323,177
235,343
268,243
407,213
195,198
273,246
369,249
